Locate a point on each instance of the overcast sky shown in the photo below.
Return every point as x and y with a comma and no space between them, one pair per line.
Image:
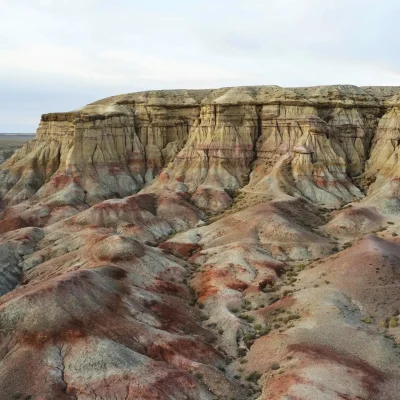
57,55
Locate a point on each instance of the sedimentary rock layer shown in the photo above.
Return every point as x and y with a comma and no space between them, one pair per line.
210,141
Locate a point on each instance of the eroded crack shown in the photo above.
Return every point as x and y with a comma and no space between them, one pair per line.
61,369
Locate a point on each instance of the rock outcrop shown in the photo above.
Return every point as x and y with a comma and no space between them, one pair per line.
236,243
210,141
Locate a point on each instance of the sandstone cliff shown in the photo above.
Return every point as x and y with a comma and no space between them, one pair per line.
210,141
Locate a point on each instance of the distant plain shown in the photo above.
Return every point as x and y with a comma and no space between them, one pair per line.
10,141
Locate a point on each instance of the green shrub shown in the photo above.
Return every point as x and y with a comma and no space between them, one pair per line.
393,322
275,366
367,320
249,339
265,331
253,376
248,318
242,352
274,299
300,267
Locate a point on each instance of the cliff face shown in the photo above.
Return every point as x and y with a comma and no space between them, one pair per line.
210,141
205,244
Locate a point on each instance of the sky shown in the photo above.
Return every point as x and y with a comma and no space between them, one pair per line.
58,55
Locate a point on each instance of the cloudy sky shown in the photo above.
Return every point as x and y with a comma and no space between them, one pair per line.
56,55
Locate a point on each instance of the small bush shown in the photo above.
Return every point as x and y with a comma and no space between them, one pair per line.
274,299
301,267
253,376
249,339
394,234
248,318
394,322
275,366
292,316
265,331
242,352
367,320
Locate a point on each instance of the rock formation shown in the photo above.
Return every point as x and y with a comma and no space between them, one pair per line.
235,243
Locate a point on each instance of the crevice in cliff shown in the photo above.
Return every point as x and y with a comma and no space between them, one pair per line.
259,122
61,369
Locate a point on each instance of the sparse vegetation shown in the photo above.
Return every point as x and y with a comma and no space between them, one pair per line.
242,352
253,376
198,376
265,331
300,267
249,339
290,317
367,320
248,318
274,299
275,366
394,322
